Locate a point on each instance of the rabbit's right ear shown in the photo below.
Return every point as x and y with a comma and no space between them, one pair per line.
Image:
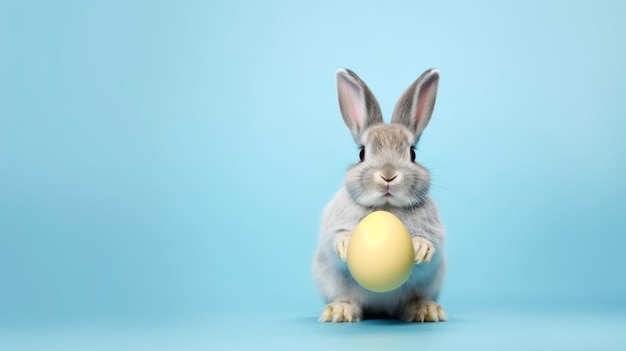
358,105
416,104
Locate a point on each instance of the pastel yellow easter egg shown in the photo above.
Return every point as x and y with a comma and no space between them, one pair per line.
380,252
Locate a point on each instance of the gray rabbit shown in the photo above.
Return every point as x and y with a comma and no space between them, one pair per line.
386,178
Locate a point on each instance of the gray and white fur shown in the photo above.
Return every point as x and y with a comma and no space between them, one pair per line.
387,178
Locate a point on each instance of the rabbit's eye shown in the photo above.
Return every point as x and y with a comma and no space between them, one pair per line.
412,155
362,154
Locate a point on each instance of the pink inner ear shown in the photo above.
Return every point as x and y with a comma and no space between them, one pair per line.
422,103
353,98
357,106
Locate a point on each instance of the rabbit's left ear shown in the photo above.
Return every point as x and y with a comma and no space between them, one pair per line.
416,104
358,105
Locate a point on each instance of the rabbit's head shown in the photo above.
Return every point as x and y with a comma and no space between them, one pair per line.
387,174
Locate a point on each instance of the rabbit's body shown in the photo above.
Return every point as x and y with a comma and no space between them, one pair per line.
387,178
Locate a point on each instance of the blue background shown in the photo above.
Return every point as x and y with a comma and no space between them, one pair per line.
164,165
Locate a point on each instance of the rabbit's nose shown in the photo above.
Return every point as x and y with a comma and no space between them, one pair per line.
387,173
388,179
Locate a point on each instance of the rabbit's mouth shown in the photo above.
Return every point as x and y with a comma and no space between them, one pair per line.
388,190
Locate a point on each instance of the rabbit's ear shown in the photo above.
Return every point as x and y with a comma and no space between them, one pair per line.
358,105
416,104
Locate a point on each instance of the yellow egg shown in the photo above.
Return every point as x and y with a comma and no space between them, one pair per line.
380,252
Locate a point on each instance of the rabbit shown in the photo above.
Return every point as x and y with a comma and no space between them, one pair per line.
386,178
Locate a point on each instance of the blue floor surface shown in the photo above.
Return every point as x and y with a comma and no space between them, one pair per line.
467,330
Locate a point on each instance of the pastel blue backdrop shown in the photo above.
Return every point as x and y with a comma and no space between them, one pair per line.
169,160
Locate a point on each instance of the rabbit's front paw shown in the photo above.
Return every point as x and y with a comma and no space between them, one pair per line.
341,246
424,311
341,311
424,249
